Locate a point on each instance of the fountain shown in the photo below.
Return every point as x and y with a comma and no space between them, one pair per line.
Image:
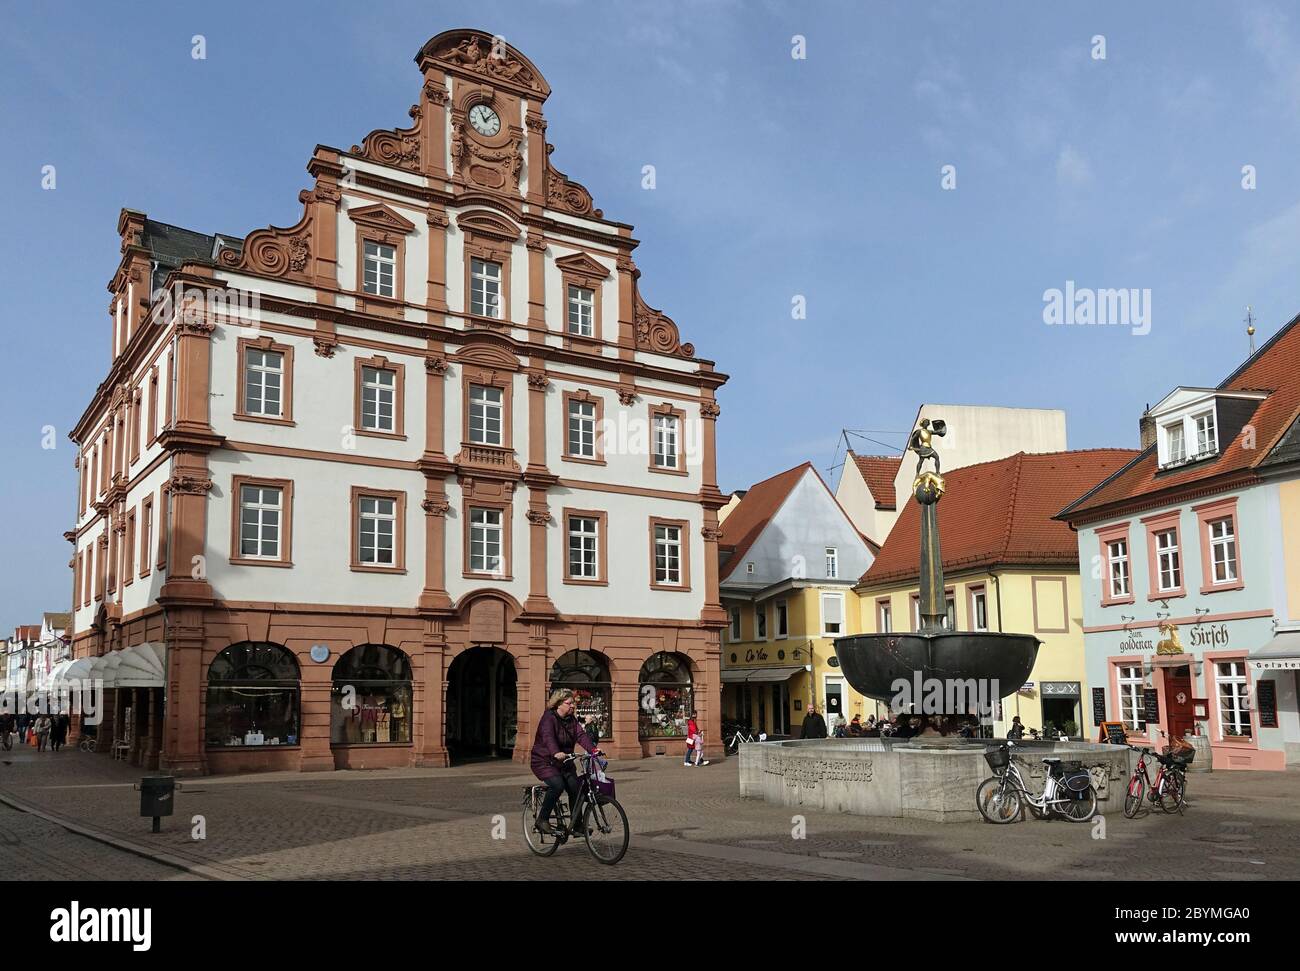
940,672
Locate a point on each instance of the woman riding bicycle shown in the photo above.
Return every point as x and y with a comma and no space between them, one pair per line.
557,733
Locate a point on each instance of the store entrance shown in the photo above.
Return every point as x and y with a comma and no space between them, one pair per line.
1059,717
482,705
1178,700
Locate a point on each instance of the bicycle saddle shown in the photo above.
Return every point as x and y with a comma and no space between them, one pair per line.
1050,760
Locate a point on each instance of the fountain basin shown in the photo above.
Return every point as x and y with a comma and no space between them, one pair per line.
873,663
916,778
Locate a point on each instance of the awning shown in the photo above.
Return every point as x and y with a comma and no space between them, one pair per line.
78,670
140,666
1282,653
749,675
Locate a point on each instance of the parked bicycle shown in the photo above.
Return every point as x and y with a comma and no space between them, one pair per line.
597,816
1002,798
87,742
1168,791
734,735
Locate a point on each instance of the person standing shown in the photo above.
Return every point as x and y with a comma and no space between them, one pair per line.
814,725
58,731
42,730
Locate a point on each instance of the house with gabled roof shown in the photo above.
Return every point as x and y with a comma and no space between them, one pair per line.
789,557
1192,614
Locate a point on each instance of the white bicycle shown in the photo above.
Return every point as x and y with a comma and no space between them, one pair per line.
1002,798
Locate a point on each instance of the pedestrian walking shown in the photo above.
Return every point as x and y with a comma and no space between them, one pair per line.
814,725
694,743
42,730
59,731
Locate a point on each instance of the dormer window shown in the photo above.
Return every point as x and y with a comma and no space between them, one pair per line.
1207,442
1175,444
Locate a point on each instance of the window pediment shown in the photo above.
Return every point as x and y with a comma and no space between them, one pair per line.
580,264
488,356
480,222
382,217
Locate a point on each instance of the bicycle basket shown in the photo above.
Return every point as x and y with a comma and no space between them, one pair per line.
601,783
1182,756
998,758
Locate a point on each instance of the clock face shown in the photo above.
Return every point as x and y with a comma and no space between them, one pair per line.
484,120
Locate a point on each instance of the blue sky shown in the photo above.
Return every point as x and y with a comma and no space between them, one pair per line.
775,177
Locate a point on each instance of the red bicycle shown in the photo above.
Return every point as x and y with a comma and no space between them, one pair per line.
1168,791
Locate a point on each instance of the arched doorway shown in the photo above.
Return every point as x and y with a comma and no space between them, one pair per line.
482,705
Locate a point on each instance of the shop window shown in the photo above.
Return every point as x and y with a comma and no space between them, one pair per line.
370,703
586,674
664,696
253,696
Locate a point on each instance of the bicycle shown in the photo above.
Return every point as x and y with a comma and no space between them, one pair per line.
601,820
1002,797
736,735
87,743
1169,791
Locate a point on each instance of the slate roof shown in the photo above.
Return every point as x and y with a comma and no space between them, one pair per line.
1000,513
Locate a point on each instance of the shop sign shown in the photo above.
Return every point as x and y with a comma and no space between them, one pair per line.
1066,689
1214,635
755,655
1027,687
1266,695
1135,643
1098,705
1277,664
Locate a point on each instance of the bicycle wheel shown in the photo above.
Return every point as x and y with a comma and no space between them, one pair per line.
1173,793
997,802
1079,810
1133,797
538,842
606,828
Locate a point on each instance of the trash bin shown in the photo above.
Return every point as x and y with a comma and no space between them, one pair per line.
156,797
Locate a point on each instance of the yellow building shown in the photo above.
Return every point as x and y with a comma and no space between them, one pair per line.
789,559
1008,566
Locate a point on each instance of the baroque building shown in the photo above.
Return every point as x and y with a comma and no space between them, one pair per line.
362,490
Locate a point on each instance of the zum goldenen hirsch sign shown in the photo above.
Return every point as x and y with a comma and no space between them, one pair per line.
1198,635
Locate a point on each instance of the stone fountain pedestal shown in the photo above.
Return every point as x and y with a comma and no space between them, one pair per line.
914,778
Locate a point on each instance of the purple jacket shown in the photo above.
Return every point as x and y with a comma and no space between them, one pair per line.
556,734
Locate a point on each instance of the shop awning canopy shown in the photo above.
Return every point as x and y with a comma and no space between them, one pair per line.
1282,653
140,666
749,675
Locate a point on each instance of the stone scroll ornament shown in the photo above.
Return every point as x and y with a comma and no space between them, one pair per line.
398,147
275,251
566,195
655,331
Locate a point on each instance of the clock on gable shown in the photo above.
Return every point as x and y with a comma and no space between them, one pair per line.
484,120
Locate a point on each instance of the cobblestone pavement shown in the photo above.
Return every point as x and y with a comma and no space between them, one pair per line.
686,824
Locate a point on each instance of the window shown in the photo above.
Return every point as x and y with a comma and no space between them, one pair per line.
916,611
586,674
146,535
832,614
1168,568
128,555
1223,551
263,383
1118,568
376,531
253,696
1177,446
1132,707
584,547
378,399
380,269
734,634
1234,708
136,407
949,611
370,702
782,619
665,432
667,555
485,288
1206,436
153,404
485,541
260,511
884,617
979,609
760,622
486,411
832,563
749,569
582,311
666,698
582,429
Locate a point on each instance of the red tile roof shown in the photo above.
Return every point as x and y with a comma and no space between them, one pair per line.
1000,513
27,632
1275,368
878,472
743,525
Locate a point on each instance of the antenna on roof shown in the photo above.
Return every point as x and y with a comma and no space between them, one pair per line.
1250,329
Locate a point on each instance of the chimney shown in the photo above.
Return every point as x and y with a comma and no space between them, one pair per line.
1146,429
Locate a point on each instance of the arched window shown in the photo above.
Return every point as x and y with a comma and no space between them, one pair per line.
253,696
371,700
664,697
586,673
